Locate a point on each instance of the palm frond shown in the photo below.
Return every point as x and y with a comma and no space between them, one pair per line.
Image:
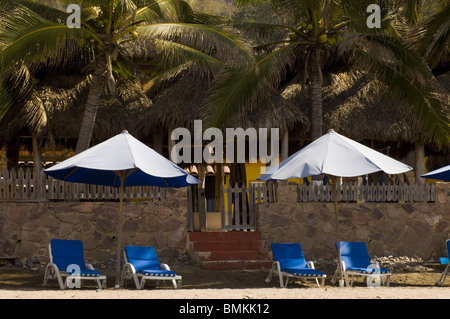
173,54
222,43
429,111
21,104
43,10
433,38
27,37
164,10
406,59
236,90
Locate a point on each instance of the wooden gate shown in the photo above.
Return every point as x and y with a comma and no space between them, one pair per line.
238,205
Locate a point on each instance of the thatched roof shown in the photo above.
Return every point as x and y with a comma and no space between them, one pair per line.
64,98
180,102
361,108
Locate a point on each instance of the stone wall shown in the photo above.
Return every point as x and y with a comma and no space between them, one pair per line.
27,228
398,229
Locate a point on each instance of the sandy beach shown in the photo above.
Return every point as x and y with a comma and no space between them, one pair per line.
197,283
230,294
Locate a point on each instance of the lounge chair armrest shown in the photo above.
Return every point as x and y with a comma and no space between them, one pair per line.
277,265
54,266
89,266
130,265
164,266
310,264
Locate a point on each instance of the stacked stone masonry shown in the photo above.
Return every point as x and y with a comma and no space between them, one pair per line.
27,228
398,229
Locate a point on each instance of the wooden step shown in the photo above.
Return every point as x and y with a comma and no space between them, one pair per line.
220,236
229,245
229,250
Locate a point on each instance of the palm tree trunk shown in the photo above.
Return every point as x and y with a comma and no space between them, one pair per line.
93,99
316,94
37,166
419,161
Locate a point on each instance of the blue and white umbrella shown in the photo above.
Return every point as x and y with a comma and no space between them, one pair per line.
442,174
336,155
121,161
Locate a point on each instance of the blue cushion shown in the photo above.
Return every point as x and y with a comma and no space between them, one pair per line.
144,264
289,255
87,273
67,252
354,254
141,252
365,270
307,272
145,261
158,272
142,257
356,258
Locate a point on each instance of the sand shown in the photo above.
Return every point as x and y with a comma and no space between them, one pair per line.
18,283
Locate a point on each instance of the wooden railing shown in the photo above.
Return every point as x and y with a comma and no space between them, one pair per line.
23,185
367,193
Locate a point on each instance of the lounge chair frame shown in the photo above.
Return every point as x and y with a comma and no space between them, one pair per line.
383,277
285,276
444,274
139,278
53,271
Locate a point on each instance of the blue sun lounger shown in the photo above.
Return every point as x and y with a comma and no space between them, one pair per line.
289,262
355,261
142,262
444,261
67,260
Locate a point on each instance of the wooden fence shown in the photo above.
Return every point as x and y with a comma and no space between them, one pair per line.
238,211
367,193
23,185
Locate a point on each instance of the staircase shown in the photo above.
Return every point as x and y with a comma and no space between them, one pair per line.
229,250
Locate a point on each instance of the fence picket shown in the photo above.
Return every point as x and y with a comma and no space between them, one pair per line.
367,193
28,185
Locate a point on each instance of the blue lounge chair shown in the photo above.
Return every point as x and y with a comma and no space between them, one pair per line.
142,262
444,261
67,260
289,262
355,261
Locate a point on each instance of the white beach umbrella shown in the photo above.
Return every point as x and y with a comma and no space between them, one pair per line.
121,161
335,155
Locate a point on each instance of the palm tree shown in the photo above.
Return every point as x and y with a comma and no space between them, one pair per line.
33,32
20,107
318,35
433,37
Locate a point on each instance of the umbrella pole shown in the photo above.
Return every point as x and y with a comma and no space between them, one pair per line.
119,231
341,281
